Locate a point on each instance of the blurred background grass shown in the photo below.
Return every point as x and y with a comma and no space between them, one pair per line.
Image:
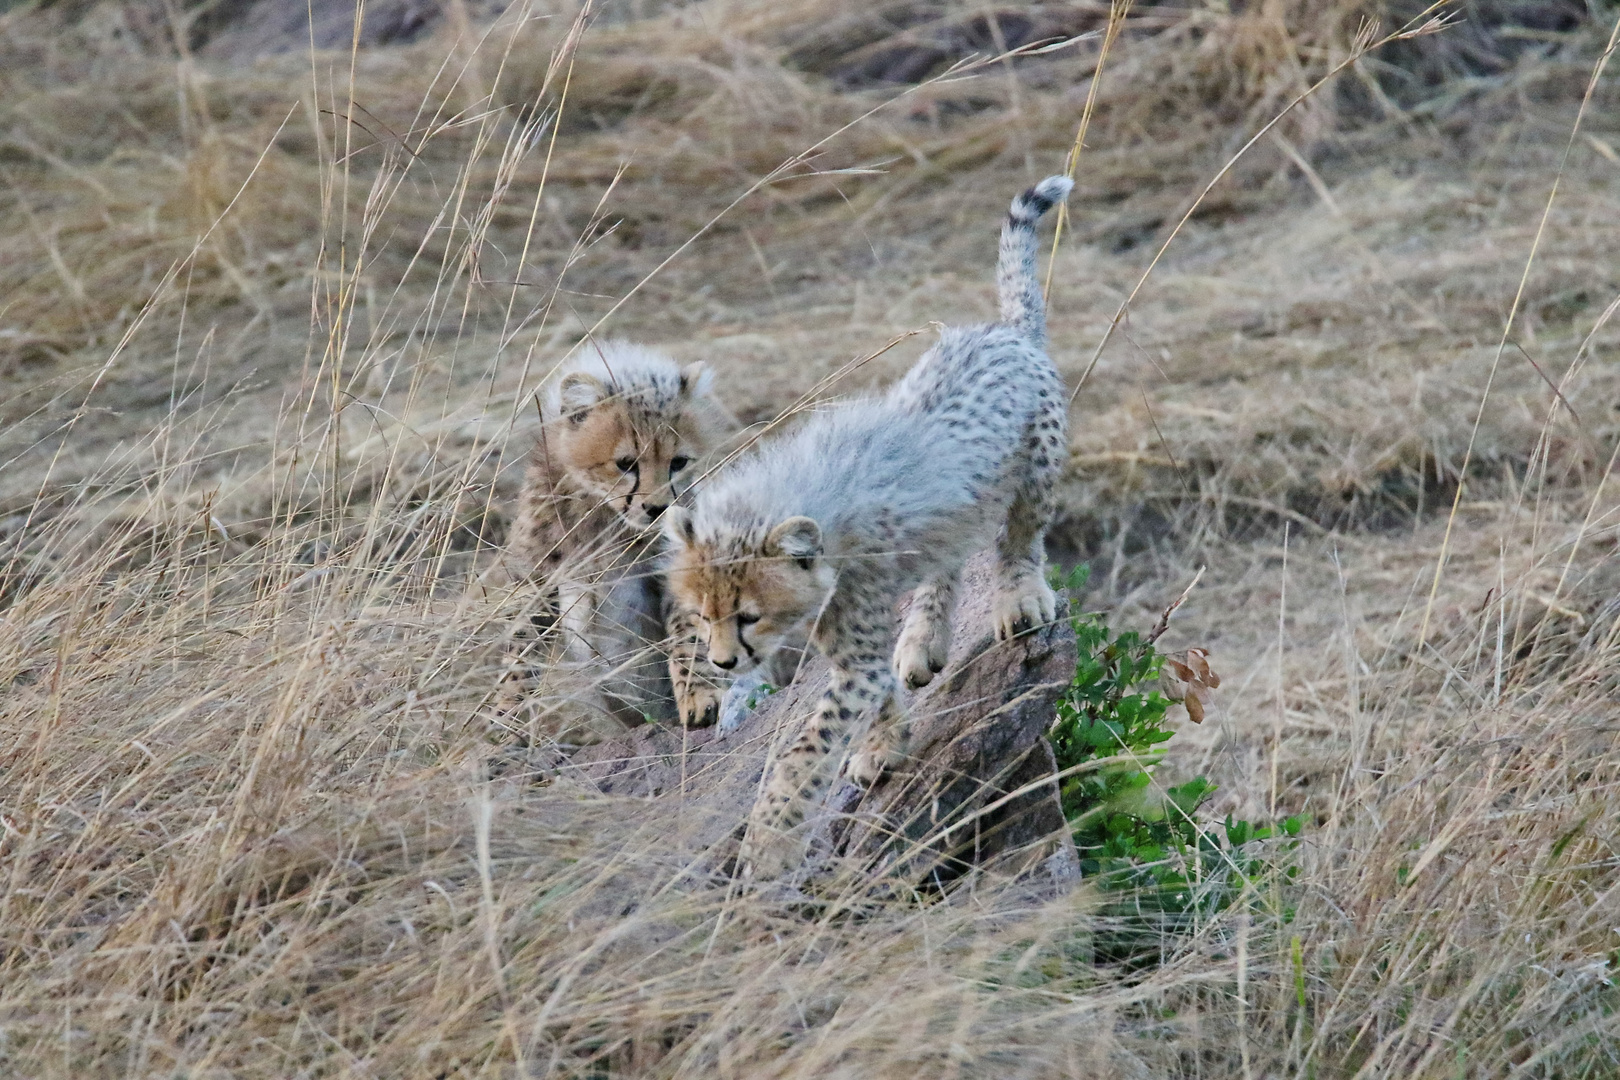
1363,243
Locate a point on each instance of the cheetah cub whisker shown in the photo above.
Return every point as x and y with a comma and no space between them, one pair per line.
820,532
624,432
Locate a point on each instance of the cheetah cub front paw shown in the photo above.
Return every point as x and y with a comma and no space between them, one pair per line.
1019,608
697,702
921,652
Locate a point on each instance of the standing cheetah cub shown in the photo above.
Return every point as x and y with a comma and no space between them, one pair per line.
623,430
824,530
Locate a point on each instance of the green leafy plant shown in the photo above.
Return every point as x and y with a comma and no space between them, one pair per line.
1146,845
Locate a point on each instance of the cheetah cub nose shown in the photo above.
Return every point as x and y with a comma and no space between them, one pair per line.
653,511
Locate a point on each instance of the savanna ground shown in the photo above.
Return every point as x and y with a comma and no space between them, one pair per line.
272,309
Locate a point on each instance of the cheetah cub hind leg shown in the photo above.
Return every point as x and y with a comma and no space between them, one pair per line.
1024,600
924,645
884,746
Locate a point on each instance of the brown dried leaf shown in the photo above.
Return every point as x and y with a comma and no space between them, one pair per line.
1187,677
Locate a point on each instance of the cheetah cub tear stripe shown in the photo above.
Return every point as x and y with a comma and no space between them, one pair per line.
820,532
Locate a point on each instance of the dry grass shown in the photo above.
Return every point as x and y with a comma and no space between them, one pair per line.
266,369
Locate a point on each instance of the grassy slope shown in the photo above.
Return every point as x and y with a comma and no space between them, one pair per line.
243,830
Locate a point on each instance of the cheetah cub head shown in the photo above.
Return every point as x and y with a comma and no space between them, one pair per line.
754,589
628,424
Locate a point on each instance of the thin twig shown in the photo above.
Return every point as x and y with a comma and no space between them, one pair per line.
1164,619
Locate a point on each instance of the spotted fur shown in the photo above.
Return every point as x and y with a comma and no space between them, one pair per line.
821,532
624,431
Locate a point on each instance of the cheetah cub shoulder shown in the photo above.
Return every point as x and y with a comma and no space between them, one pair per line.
624,431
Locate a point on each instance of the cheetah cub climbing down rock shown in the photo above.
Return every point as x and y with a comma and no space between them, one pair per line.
821,532
624,430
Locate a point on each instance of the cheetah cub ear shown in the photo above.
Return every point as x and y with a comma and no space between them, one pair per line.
797,538
696,379
578,393
678,526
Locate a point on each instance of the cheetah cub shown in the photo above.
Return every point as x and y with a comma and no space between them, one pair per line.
623,430
821,532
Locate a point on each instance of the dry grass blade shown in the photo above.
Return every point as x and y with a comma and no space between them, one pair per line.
1117,12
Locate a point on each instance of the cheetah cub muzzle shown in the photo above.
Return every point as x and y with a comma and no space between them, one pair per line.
819,533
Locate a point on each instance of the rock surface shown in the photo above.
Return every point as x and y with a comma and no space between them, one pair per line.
971,795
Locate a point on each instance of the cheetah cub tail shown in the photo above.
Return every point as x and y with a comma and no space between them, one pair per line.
1022,306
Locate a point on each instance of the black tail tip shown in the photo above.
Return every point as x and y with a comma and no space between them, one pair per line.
1029,206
